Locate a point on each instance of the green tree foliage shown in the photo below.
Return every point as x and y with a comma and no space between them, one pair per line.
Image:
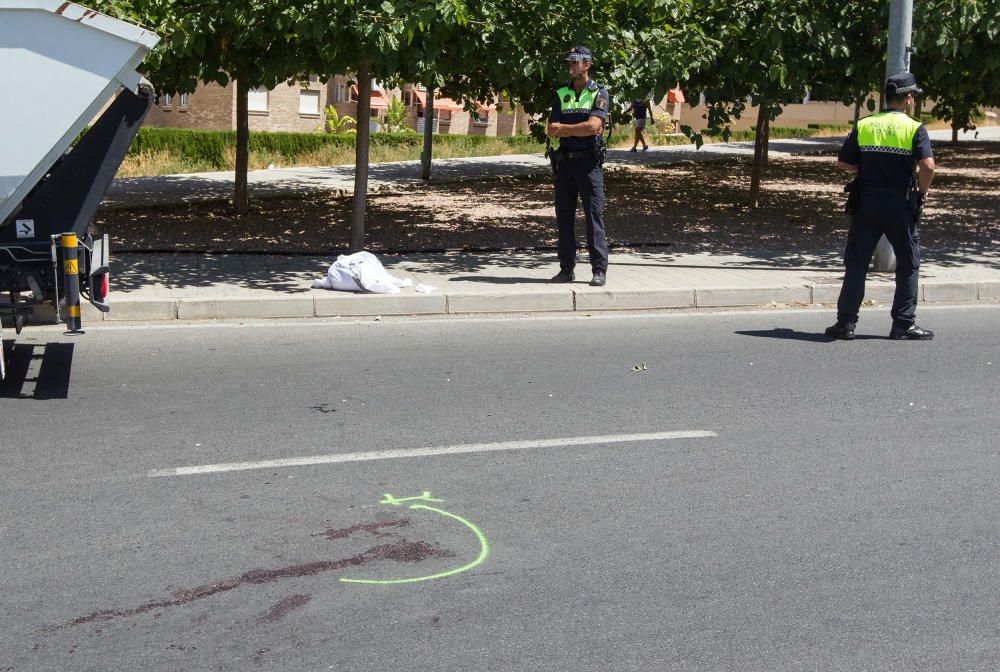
256,43
770,51
854,62
773,52
957,59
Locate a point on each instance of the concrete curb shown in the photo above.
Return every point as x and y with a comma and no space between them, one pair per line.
555,299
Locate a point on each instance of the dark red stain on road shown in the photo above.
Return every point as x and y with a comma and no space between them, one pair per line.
283,607
400,550
370,528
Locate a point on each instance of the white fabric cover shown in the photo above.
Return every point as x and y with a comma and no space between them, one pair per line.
360,272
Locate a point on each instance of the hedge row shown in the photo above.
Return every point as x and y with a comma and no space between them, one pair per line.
210,146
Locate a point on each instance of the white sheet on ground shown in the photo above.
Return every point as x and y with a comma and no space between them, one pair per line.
360,272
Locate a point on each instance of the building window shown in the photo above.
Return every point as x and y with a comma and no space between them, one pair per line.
257,100
483,120
340,93
309,102
407,97
183,101
168,100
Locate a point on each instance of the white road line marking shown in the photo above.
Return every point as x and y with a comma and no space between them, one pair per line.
425,452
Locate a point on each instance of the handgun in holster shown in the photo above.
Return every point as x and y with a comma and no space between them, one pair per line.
601,150
553,155
853,191
917,204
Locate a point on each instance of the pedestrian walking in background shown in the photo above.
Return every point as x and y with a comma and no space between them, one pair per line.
640,109
886,198
579,111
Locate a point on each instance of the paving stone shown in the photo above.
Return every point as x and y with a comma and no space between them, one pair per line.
752,296
344,303
510,302
142,309
950,291
989,290
234,308
633,299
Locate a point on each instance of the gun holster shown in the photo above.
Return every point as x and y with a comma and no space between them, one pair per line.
554,156
853,191
917,204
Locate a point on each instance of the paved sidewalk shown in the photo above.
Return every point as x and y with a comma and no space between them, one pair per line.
199,287
196,287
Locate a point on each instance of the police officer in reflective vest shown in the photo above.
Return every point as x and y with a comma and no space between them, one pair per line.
885,198
579,110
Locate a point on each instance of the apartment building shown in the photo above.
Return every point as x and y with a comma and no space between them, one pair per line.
300,107
287,107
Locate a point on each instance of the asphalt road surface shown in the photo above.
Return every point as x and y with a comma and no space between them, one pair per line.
746,495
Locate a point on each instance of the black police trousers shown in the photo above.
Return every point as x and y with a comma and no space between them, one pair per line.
881,212
583,178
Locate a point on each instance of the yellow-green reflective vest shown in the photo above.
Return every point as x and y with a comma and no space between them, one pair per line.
888,133
570,104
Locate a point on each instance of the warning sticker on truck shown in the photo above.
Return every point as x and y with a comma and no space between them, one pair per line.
25,228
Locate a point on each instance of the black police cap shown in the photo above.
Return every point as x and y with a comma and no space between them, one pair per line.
578,54
902,84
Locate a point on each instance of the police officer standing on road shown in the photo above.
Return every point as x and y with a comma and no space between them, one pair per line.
885,198
579,111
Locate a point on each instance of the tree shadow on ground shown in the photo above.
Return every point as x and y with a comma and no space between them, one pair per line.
132,272
666,212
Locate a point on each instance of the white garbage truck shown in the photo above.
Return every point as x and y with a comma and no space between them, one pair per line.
72,104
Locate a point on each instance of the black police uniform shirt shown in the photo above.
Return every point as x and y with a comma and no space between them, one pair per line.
886,171
601,103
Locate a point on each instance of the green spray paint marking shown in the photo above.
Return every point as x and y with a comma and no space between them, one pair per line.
484,546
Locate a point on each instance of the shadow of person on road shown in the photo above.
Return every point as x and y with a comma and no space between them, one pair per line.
793,335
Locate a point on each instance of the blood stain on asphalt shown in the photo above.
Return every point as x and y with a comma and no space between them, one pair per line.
400,550
283,607
370,528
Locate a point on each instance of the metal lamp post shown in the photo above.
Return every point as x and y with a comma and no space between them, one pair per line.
897,61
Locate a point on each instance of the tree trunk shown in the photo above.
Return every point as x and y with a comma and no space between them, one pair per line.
425,157
241,197
758,157
954,133
361,157
767,138
857,113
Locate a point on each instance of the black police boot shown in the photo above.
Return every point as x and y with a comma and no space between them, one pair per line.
911,333
565,275
840,332
600,277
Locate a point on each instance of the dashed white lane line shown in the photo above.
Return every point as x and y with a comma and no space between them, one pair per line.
426,452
